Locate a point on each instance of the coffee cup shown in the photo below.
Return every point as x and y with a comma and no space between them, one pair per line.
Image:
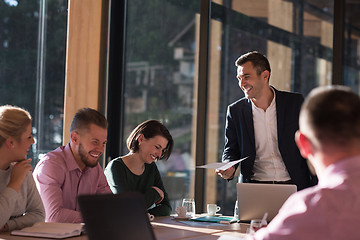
181,212
212,209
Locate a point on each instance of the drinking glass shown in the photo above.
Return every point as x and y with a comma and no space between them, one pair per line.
256,224
189,203
236,210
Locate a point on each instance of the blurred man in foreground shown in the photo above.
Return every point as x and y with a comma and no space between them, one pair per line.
329,136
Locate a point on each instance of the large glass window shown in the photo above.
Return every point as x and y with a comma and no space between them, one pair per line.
32,65
159,82
352,45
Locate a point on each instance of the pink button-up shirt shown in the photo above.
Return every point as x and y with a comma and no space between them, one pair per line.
60,180
330,210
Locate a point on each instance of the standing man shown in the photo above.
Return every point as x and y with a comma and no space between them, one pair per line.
261,126
329,137
69,171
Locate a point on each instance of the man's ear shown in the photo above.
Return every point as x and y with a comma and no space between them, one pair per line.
304,144
265,74
74,136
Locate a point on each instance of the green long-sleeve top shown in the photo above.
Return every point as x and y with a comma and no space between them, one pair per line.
121,179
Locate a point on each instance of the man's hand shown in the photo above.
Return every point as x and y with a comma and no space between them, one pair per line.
228,173
18,174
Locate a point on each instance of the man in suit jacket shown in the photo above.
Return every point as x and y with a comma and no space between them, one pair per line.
261,126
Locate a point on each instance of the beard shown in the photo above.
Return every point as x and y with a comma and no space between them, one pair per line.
83,156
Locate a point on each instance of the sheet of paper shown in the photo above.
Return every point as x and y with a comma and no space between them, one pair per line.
221,165
232,236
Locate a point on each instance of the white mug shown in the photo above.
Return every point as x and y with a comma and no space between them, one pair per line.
181,211
212,209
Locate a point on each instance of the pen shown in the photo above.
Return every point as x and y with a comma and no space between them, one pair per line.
229,222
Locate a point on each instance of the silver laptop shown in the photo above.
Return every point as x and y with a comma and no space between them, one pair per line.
116,216
255,199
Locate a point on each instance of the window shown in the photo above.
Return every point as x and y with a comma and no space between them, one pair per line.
32,65
159,82
352,46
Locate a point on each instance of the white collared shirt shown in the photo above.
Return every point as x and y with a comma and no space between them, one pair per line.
269,165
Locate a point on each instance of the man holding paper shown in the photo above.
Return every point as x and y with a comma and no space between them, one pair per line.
261,127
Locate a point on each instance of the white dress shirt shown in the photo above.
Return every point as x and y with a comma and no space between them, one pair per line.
269,165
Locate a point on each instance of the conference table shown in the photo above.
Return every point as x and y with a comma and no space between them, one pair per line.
168,228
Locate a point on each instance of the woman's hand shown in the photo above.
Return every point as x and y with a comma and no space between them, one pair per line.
161,193
18,174
5,228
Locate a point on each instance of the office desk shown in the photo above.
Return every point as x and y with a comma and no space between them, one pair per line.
165,228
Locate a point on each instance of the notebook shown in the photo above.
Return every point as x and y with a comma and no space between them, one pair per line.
115,216
51,230
255,199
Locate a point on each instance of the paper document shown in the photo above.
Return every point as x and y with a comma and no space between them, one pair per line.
221,165
232,236
51,230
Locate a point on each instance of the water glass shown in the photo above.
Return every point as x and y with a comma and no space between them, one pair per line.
236,210
256,224
189,203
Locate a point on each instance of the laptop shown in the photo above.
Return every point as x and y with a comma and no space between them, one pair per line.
255,199
115,216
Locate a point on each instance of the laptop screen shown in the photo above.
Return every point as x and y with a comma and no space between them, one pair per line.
115,216
255,199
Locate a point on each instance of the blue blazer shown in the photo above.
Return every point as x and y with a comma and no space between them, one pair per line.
240,138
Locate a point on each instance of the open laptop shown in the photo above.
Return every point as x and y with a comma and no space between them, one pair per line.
255,199
115,216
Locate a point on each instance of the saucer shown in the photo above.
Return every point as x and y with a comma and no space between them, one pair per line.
181,218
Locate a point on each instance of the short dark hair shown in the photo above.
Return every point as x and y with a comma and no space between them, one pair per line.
86,116
333,114
150,129
259,61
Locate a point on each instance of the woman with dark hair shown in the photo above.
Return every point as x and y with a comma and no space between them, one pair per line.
148,142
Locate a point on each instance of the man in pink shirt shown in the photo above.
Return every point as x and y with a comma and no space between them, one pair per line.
69,171
329,136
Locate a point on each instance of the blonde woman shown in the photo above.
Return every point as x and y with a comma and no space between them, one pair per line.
20,202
